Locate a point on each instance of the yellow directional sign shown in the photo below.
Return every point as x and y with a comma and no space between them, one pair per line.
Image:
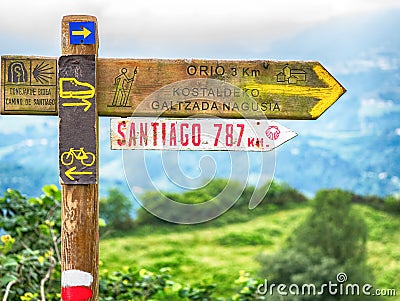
84,102
83,32
326,95
71,172
279,89
85,91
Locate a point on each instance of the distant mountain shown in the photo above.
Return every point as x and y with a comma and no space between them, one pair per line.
355,145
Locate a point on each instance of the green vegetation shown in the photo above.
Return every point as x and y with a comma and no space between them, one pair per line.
116,211
331,240
29,252
279,196
204,252
200,253
218,260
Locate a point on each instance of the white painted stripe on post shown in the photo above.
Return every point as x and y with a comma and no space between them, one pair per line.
76,278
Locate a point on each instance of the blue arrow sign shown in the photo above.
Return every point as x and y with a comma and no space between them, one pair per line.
82,33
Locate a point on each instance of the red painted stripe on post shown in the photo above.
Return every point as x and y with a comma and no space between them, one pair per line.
76,293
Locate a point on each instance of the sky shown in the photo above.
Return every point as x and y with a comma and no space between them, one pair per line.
159,28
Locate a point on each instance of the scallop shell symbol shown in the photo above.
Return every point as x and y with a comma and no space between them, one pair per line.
273,132
42,73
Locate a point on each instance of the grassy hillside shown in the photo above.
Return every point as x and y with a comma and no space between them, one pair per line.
217,254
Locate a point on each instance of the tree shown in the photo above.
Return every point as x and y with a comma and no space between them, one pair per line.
116,210
218,193
331,240
392,204
333,229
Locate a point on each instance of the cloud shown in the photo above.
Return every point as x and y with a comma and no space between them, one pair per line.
377,107
368,62
364,65
179,24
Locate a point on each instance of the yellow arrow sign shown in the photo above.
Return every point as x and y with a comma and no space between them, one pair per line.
326,95
84,32
72,171
281,89
84,102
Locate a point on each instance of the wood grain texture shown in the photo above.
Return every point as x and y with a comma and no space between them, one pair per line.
275,89
79,233
80,212
239,89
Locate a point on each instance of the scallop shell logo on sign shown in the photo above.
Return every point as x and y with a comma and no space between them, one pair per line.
273,132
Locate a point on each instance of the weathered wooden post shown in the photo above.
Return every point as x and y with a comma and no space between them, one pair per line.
78,156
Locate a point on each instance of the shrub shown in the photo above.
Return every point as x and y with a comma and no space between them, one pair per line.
30,248
332,239
392,204
244,239
160,203
333,228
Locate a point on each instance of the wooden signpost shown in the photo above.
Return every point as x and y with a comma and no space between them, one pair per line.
79,87
281,90
78,149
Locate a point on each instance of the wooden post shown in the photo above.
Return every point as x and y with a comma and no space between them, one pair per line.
78,158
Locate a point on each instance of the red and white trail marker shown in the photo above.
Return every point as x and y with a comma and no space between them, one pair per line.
76,285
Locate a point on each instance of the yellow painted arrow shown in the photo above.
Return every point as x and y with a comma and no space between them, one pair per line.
72,171
84,32
327,95
84,102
